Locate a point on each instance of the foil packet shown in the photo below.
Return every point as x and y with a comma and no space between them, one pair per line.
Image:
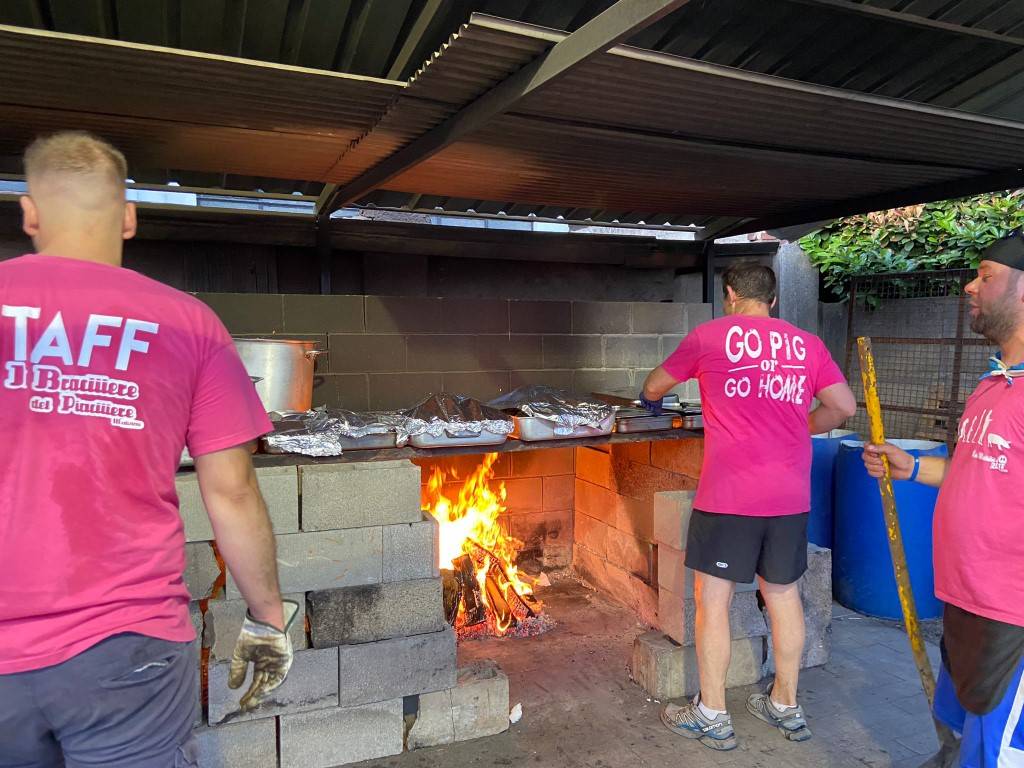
443,414
565,410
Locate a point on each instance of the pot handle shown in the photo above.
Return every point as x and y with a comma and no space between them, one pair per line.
313,354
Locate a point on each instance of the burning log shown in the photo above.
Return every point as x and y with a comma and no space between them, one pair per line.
472,602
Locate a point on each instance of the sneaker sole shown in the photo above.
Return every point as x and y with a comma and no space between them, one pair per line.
799,734
722,745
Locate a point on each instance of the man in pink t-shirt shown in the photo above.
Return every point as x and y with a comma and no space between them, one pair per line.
105,376
979,528
758,378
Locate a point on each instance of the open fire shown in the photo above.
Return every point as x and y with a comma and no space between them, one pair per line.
484,592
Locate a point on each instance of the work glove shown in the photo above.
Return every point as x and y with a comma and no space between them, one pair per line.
654,406
270,651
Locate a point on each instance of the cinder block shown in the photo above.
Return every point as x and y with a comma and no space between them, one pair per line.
657,665
669,671
359,495
375,612
331,737
325,560
312,683
391,669
630,554
224,621
816,596
684,457
600,317
201,569
659,317
476,707
672,510
410,550
677,616
280,489
252,744
672,571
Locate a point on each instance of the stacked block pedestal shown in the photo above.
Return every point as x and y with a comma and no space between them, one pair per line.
664,662
359,556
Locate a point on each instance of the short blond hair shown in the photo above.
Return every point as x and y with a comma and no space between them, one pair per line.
76,153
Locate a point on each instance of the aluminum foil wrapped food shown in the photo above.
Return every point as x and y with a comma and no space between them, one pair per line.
444,414
310,433
319,432
566,410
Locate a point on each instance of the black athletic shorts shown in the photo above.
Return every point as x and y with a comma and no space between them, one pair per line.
735,547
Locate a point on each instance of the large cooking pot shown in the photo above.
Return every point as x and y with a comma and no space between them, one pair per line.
282,370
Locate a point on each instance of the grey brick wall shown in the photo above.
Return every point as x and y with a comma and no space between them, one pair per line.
390,351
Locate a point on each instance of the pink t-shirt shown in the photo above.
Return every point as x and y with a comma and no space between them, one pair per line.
105,375
979,516
757,378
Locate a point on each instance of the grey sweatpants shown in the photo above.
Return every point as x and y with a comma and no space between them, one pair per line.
127,702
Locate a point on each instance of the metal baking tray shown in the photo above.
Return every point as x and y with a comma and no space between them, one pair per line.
457,440
530,428
368,442
641,420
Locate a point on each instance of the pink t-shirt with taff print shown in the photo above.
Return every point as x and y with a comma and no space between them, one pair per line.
758,377
105,375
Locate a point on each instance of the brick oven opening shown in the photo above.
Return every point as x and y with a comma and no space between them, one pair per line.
484,588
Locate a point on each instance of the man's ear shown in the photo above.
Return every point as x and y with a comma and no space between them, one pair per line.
29,216
131,223
774,302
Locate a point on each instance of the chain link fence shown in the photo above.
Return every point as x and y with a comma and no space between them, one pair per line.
927,358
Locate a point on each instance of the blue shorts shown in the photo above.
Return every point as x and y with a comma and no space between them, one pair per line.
994,740
127,702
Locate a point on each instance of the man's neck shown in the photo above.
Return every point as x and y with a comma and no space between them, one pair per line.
752,309
70,249
1012,350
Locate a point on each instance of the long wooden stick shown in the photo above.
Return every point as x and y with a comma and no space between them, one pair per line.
892,521
947,755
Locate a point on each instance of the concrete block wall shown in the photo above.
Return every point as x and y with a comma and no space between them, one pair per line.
614,545
391,351
540,488
356,553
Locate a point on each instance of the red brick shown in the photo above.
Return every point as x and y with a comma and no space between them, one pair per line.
595,467
550,461
638,452
617,583
642,482
681,456
595,501
525,494
591,533
630,554
541,530
635,517
558,491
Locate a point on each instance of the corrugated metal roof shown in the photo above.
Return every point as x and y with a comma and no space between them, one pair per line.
639,131
656,110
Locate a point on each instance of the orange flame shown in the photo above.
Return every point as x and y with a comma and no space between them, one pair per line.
469,524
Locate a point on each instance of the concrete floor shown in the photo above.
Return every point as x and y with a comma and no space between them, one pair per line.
865,707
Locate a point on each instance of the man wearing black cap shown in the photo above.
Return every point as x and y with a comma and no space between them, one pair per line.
979,529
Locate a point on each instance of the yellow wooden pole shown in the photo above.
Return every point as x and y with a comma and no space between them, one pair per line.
892,520
899,558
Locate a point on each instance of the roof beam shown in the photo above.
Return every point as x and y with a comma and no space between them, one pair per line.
608,29
414,38
992,182
913,20
975,93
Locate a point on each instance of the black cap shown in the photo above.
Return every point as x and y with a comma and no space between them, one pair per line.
1008,251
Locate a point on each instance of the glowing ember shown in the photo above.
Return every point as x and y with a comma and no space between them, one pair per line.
484,583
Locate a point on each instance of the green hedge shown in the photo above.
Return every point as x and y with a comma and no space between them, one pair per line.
946,235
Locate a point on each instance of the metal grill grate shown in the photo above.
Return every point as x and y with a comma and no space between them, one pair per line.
927,358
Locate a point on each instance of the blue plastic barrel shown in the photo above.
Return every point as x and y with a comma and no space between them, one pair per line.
862,577
823,463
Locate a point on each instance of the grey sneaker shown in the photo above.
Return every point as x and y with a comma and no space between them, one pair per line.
687,721
791,722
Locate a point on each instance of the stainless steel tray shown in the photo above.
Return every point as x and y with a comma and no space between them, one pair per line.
530,428
454,441
640,420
